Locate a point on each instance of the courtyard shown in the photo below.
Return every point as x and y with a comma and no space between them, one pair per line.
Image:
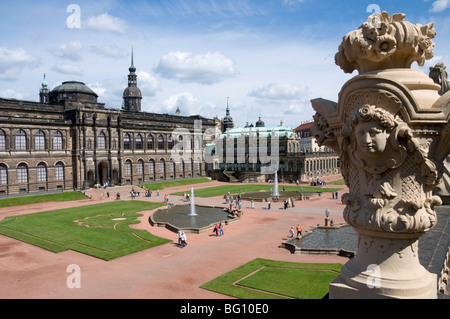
165,271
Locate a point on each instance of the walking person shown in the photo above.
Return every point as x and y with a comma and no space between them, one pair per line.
299,230
216,229
291,232
179,237
220,229
183,240
268,203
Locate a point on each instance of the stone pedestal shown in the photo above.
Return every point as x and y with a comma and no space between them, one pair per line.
385,268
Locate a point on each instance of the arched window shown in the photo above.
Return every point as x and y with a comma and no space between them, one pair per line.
22,173
39,141
126,142
197,143
188,142
170,142
2,140
151,167
128,168
160,142
140,167
150,145
171,166
162,165
59,171
138,142
190,164
57,141
3,174
181,165
199,163
41,172
101,141
21,141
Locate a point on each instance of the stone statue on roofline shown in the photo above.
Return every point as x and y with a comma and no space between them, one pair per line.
390,128
440,76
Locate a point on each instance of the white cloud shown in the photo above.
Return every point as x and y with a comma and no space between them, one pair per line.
67,69
148,84
11,94
185,101
440,5
13,61
274,91
209,68
109,51
105,22
70,51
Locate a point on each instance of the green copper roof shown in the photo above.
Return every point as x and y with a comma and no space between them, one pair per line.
267,131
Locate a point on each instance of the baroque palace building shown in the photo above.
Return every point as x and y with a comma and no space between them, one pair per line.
68,140
247,154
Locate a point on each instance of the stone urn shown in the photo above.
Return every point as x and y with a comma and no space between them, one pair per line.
390,129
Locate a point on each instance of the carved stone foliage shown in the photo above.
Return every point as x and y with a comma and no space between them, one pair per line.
386,42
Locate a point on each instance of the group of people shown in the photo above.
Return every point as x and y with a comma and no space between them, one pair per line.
134,193
182,239
288,203
148,193
218,229
299,231
318,182
186,197
235,205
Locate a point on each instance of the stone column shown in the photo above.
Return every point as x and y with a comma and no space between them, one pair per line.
388,129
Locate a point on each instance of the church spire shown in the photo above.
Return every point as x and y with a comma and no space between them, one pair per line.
132,95
44,92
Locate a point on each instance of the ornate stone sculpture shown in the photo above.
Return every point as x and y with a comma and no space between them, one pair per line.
440,76
390,129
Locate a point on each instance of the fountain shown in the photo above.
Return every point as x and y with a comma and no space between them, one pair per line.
275,192
193,212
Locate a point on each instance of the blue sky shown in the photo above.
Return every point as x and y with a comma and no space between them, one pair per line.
268,58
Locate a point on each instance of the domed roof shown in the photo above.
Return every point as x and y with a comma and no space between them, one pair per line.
132,91
74,86
260,123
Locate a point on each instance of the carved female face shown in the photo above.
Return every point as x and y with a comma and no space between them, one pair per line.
371,137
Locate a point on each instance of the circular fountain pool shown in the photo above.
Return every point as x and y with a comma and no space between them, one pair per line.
178,218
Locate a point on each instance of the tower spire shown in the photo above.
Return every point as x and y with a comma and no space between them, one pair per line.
132,95
44,92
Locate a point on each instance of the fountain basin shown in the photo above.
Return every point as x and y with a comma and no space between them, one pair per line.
177,218
339,240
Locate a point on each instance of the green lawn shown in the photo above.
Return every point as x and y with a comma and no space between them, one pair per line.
269,279
34,199
89,229
162,185
242,188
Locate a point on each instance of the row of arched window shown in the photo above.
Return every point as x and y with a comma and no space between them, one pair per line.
20,141
161,167
22,171
158,143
